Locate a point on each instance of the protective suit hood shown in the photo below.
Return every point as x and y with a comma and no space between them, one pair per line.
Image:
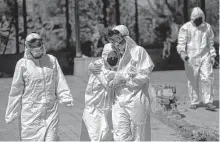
122,29
30,37
106,50
125,33
196,13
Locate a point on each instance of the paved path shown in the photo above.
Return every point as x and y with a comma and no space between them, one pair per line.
70,118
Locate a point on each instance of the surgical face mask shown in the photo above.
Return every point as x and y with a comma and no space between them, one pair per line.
37,53
112,58
36,48
121,47
198,21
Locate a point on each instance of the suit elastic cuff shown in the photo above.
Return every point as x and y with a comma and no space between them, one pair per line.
65,100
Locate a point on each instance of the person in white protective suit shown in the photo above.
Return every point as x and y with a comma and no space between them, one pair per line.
195,46
131,109
99,97
38,86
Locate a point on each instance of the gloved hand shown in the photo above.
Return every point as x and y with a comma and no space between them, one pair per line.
69,103
119,80
132,72
212,60
184,56
8,121
95,68
111,84
111,75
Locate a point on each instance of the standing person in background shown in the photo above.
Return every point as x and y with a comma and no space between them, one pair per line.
195,46
38,86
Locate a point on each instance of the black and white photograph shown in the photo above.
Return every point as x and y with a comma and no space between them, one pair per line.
109,70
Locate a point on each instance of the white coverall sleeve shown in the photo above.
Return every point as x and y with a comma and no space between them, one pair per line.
62,89
17,89
144,68
211,42
182,39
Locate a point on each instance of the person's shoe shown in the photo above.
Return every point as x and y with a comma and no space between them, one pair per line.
193,106
210,106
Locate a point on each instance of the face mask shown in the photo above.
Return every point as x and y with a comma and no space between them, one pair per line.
37,53
36,48
198,21
112,58
121,49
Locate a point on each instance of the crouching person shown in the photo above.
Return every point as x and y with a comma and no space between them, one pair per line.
38,86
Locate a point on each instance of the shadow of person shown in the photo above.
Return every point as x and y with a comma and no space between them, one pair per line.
200,105
216,103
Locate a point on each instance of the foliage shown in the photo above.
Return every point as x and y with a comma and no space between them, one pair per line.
4,9
155,18
212,16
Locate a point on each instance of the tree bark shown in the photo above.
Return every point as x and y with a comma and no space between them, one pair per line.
202,5
77,29
68,26
117,9
25,18
136,22
16,26
105,5
185,10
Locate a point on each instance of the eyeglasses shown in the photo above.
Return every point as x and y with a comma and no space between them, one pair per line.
35,43
113,32
115,37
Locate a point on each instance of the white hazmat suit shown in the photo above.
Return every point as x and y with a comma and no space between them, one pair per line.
131,110
38,86
98,101
196,42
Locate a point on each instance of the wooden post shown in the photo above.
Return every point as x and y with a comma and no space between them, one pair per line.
117,9
136,22
16,26
77,29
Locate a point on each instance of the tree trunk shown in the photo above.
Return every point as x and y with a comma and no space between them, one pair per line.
117,9
25,19
16,26
202,5
68,26
185,10
105,5
77,29
136,22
